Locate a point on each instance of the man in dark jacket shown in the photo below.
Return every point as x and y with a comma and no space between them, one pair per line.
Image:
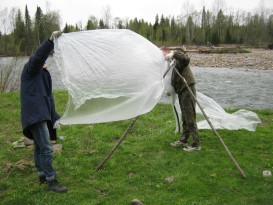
38,113
186,101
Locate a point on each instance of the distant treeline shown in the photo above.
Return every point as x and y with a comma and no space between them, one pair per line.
22,34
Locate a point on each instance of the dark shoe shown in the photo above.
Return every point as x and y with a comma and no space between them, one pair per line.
42,180
55,186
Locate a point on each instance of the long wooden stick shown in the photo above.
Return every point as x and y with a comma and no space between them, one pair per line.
118,143
124,134
215,132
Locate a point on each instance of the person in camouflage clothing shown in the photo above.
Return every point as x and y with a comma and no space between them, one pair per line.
186,101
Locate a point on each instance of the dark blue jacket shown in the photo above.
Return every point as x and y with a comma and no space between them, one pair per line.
37,102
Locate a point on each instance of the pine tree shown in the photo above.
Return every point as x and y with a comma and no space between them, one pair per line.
19,33
189,30
229,31
270,29
92,23
39,26
155,27
204,26
220,21
29,40
101,24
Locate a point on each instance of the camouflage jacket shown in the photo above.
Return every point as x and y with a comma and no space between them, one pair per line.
183,67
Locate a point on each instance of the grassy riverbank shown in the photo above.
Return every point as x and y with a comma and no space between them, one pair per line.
141,164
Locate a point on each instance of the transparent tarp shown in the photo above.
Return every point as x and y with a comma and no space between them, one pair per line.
115,75
110,75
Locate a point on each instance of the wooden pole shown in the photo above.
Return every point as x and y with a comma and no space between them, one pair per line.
124,135
215,132
117,144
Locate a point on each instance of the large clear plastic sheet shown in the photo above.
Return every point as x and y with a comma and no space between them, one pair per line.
110,75
241,119
115,75
220,119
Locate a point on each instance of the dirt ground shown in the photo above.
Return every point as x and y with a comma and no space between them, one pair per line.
260,59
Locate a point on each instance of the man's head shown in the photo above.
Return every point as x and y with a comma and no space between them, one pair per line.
182,58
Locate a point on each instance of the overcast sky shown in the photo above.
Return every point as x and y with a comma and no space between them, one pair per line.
74,11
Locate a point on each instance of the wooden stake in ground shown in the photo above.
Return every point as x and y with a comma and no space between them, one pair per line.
215,132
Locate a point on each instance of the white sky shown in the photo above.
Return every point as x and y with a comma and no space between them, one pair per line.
74,11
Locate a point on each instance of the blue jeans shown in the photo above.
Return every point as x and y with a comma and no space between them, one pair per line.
42,151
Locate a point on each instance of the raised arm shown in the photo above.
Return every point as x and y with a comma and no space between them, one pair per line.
38,59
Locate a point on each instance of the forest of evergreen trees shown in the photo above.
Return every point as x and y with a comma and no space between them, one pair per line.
22,33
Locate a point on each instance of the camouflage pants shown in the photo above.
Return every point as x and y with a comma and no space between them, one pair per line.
187,105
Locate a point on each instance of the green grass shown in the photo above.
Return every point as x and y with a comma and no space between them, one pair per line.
140,165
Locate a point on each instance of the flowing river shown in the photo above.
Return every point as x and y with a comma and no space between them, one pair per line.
231,88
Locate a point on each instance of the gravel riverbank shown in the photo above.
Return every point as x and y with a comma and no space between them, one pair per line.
259,59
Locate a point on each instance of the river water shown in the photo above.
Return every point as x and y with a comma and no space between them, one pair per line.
240,88
231,88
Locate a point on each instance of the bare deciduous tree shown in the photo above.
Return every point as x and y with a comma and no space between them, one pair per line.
7,20
107,16
218,5
9,76
118,23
